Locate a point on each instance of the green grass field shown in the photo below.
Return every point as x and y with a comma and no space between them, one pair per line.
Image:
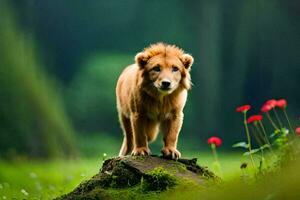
23,178
43,179
49,179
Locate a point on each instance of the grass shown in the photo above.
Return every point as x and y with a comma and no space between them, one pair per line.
43,179
40,179
33,179
230,163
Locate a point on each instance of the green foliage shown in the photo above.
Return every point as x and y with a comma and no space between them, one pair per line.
91,95
241,144
281,138
253,151
33,120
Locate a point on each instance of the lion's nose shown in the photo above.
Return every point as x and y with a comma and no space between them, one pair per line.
165,84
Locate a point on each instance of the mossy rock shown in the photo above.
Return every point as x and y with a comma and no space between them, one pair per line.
141,174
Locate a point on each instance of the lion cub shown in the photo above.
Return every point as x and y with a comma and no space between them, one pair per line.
151,95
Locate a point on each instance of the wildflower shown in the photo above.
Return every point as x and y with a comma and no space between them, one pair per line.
297,130
281,103
243,108
254,118
265,108
271,102
214,140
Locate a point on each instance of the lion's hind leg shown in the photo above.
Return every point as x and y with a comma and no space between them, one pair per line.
127,145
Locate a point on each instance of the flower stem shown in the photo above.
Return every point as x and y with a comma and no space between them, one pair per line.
213,148
266,137
260,140
272,122
287,118
262,158
216,158
277,117
249,139
258,137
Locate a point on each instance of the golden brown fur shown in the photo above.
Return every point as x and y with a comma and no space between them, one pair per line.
151,95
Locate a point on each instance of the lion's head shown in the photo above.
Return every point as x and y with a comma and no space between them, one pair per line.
165,68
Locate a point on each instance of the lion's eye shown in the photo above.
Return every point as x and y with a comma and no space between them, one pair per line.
175,69
156,69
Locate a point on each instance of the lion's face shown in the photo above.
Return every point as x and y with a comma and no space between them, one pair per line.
165,68
164,73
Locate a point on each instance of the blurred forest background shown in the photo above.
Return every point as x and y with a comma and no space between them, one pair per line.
60,60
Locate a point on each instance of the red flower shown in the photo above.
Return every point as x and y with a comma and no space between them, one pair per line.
214,140
254,118
297,130
243,108
265,108
271,102
281,103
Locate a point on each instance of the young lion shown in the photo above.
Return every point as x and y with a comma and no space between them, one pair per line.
151,95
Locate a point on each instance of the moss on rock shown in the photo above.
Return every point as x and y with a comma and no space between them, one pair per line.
158,180
131,175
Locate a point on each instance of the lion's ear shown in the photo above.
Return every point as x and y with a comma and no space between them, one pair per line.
141,59
187,60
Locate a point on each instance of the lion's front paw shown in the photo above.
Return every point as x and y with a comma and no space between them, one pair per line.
170,152
140,151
